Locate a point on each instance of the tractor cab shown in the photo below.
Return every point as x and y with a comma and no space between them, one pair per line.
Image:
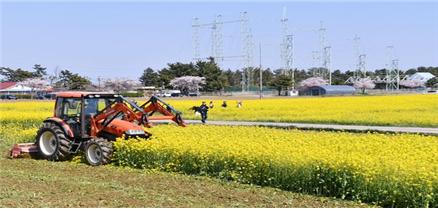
76,108
80,109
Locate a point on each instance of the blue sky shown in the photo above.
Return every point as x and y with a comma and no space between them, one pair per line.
117,39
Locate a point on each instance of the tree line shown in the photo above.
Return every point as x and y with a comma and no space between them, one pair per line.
216,79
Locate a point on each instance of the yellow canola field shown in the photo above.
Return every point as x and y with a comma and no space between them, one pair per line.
386,169
28,112
400,110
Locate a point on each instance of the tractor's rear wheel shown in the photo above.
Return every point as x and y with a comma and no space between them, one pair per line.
98,151
52,143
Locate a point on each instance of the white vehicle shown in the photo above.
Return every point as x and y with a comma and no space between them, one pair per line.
175,93
169,93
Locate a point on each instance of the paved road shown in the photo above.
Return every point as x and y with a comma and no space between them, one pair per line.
353,128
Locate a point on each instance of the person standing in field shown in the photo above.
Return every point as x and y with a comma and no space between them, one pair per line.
224,104
239,104
211,105
203,110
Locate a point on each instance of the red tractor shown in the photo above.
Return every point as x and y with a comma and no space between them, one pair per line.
90,122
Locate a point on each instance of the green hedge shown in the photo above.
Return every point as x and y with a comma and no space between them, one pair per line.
23,96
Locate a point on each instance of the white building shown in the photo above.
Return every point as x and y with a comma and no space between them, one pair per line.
14,87
421,76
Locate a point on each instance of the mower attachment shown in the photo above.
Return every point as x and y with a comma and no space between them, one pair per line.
23,149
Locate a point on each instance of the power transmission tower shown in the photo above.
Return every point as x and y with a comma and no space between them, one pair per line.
216,38
362,73
290,58
316,61
54,76
392,72
283,45
326,63
357,52
216,42
287,47
247,51
195,37
99,79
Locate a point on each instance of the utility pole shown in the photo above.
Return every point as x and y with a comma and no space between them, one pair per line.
260,71
98,81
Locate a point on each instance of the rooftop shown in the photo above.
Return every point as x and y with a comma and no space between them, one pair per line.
8,84
80,94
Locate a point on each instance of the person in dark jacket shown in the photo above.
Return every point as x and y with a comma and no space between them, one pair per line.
203,110
224,104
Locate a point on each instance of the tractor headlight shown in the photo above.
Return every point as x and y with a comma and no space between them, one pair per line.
134,132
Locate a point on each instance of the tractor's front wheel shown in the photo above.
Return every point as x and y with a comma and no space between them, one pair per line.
52,143
98,151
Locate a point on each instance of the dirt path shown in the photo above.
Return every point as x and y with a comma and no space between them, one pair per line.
306,126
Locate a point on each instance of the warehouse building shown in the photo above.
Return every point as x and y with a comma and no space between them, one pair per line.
327,90
421,76
14,88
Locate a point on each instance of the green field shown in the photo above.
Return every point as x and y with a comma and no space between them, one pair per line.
37,183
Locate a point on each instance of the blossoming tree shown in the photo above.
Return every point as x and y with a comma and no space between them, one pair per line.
364,84
188,83
411,83
120,84
35,84
314,81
